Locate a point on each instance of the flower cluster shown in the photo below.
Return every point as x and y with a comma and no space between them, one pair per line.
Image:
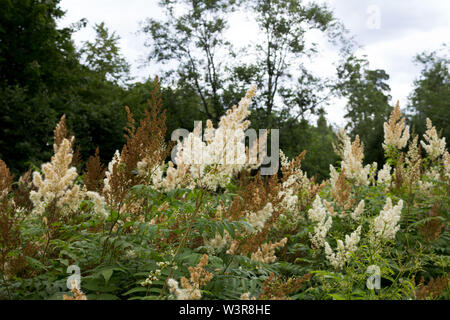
212,163
58,182
352,155
114,162
344,249
295,181
413,162
319,214
258,219
356,214
384,175
435,147
154,275
190,288
385,225
446,159
57,185
266,253
395,132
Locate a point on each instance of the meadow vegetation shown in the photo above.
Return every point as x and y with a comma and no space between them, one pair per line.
143,227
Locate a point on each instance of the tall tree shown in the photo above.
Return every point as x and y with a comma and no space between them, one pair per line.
431,95
368,104
103,56
207,62
283,25
34,53
36,62
194,40
95,106
42,77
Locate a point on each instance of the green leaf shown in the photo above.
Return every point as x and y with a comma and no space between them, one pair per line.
336,296
229,228
134,290
106,296
107,274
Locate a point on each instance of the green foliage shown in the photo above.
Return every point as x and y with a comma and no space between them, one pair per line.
160,235
367,107
103,55
431,95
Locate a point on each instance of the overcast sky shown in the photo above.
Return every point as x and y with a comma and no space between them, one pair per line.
390,32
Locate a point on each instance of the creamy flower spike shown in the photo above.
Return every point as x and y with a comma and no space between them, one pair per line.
356,214
58,184
384,175
266,253
385,225
109,172
395,132
183,294
435,147
212,163
258,219
352,155
319,214
352,162
218,243
291,187
344,250
446,158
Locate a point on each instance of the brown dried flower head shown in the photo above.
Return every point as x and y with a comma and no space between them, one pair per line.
277,289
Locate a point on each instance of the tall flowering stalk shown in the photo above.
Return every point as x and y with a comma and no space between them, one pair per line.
446,159
57,187
212,163
384,175
143,153
344,249
434,146
352,155
385,225
396,134
295,181
319,214
57,182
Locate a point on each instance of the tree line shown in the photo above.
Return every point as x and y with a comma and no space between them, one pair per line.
44,75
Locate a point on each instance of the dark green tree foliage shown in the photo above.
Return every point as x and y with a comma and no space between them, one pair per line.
207,66
298,135
210,65
182,105
95,106
33,52
42,78
368,104
103,57
320,149
36,60
431,95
